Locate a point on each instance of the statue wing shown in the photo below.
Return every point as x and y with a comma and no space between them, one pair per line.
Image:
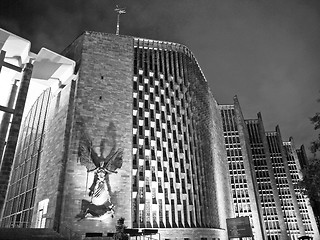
87,156
114,160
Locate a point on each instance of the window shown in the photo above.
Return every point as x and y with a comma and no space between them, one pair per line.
169,126
171,185
146,123
42,211
141,194
146,104
158,144
158,125
21,191
164,137
177,175
140,130
160,211
141,216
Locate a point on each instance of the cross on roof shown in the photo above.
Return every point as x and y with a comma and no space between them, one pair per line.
119,11
8,65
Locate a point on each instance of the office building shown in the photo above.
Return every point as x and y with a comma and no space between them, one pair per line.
305,209
264,173
285,211
302,157
246,201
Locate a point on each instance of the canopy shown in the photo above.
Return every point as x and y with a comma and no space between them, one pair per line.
50,65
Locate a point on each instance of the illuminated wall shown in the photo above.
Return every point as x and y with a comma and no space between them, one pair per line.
246,201
175,123
271,206
98,182
136,134
284,184
306,212
284,208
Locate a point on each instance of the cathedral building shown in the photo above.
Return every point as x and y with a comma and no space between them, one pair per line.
134,133
125,127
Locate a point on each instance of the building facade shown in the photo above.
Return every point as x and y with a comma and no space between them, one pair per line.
128,128
302,157
265,172
305,209
276,166
135,134
271,206
246,201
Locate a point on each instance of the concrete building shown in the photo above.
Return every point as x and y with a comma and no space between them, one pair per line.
271,206
302,157
295,169
135,133
264,173
246,200
286,212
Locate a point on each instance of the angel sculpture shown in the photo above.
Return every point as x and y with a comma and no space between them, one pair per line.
100,189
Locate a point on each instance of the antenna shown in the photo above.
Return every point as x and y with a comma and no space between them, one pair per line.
119,11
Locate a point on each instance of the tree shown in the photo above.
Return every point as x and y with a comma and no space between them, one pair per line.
311,183
120,227
315,145
311,177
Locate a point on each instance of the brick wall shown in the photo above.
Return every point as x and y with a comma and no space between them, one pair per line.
103,115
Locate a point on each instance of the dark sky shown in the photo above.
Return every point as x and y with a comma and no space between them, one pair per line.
265,51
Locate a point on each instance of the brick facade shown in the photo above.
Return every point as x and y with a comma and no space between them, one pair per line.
103,106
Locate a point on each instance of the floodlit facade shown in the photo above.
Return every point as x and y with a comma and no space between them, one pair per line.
126,127
302,157
286,212
246,201
136,133
264,174
306,213
271,206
